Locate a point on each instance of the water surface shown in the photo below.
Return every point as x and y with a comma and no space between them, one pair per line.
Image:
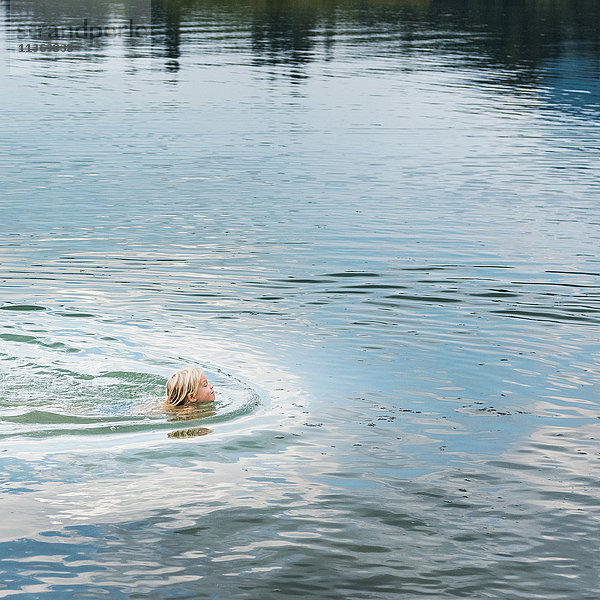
375,226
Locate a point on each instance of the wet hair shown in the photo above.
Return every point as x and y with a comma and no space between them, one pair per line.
181,384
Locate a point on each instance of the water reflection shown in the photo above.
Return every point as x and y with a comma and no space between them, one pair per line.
523,42
167,18
192,412
518,37
188,433
394,262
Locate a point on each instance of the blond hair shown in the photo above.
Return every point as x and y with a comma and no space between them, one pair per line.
181,384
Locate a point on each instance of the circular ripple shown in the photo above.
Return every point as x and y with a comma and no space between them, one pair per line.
40,401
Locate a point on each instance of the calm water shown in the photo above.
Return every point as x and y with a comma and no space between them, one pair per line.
375,225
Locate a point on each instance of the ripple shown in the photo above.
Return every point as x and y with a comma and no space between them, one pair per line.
38,401
543,316
353,274
22,307
422,298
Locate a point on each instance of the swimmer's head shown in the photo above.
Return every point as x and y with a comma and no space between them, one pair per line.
188,386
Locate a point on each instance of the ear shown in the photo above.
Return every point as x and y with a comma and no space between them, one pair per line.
190,397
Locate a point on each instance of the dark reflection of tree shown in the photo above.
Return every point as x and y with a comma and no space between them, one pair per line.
513,38
517,35
524,44
283,33
169,16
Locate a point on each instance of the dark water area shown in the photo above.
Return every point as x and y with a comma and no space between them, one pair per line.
374,225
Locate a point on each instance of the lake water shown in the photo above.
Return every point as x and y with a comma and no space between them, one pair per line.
375,225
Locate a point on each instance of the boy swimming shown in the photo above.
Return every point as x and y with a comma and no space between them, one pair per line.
188,388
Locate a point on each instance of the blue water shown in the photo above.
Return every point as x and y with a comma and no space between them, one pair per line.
375,227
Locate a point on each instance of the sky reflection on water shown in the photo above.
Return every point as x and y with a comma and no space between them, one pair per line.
376,224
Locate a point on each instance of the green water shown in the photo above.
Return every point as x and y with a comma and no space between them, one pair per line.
375,226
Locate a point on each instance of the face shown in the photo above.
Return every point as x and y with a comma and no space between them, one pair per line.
204,393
